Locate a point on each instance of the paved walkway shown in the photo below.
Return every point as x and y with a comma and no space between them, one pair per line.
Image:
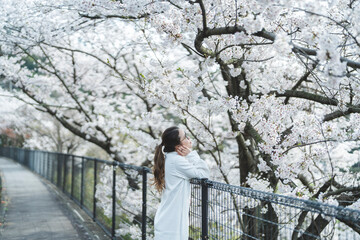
32,211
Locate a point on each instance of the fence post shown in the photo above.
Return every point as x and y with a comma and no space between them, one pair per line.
44,164
16,155
52,173
95,182
204,209
72,176
47,165
29,164
113,202
41,163
64,171
144,190
82,181
32,157
58,180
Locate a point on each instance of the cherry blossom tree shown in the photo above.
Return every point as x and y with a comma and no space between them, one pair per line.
36,130
269,90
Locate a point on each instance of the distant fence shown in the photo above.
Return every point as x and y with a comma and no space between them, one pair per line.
217,210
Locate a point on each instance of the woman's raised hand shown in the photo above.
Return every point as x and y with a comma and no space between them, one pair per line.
182,150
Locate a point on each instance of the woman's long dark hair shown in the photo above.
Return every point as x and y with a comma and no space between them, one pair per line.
170,138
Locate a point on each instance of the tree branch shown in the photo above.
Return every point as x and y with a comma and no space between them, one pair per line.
308,96
124,17
302,216
301,80
263,34
203,13
337,114
342,190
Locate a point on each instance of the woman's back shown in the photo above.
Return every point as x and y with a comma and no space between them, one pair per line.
172,216
174,165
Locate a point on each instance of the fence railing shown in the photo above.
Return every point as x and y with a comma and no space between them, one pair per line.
78,177
217,210
222,211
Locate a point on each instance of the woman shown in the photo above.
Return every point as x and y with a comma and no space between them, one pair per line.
174,165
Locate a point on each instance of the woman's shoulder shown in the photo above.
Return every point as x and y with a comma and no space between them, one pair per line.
173,158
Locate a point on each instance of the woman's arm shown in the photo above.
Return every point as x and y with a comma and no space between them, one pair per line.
192,166
193,157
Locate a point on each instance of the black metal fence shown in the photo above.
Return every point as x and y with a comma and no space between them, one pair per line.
222,211
217,210
78,178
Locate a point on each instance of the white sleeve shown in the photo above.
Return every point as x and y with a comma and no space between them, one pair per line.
193,157
192,166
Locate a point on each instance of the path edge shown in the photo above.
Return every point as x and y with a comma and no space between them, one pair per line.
88,228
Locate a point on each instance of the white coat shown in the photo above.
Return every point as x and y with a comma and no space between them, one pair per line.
172,217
